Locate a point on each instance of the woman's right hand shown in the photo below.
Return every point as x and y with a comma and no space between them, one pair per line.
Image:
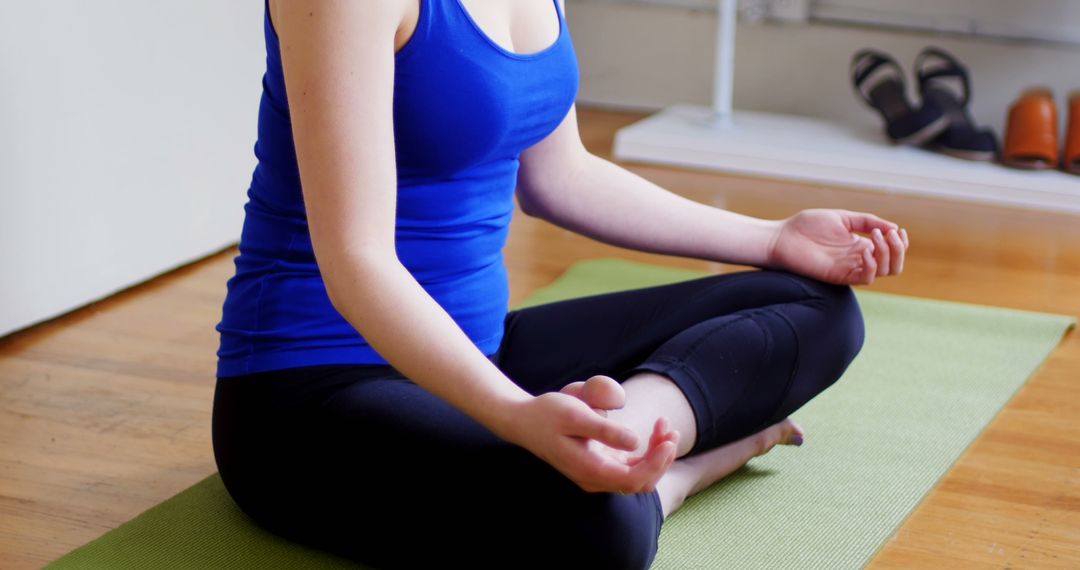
588,448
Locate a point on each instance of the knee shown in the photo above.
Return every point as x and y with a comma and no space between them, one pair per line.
625,535
840,317
847,320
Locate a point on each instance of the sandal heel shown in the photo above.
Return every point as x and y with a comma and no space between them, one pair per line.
879,82
938,73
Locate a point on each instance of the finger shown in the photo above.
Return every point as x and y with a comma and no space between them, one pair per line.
866,223
660,430
653,468
869,268
674,439
604,392
670,461
672,436
659,436
881,252
896,244
656,456
857,269
903,234
604,430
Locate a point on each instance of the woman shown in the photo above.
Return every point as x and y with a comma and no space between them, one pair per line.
375,397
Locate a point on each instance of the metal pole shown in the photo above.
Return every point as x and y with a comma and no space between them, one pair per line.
724,75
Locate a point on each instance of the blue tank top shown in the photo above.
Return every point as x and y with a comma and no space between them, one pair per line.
464,109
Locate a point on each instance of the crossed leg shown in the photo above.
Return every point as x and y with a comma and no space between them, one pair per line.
724,358
654,393
361,461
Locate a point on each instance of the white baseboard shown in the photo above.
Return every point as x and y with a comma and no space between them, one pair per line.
807,149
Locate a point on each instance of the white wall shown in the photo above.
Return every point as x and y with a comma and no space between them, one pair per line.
1046,20
642,56
126,137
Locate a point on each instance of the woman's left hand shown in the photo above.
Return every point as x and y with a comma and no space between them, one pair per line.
826,245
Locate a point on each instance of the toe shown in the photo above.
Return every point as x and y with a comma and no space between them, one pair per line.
791,433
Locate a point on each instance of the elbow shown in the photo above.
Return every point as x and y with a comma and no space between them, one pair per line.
343,274
332,283
337,300
528,207
544,192
531,203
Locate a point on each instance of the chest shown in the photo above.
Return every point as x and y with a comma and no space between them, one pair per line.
462,98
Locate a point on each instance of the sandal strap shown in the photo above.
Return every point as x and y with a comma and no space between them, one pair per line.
865,62
952,68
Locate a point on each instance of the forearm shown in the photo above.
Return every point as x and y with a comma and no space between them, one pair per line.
599,199
398,318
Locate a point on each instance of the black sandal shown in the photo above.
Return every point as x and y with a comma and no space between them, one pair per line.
944,81
879,81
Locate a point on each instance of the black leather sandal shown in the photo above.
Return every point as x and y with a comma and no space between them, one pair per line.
944,82
879,81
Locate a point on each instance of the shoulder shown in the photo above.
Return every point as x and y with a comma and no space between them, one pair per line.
398,10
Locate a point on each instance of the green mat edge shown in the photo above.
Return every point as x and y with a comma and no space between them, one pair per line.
1067,322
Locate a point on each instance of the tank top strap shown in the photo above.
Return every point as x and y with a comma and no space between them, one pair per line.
431,18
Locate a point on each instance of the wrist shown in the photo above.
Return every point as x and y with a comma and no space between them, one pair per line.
770,236
502,412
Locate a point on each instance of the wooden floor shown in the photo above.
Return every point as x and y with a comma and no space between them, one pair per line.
106,412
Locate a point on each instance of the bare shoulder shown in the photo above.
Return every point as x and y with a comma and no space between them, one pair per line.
403,14
399,6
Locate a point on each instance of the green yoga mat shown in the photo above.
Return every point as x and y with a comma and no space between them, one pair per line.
930,377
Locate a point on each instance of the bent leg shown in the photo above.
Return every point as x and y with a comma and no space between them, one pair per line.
745,349
547,346
741,351
374,467
751,369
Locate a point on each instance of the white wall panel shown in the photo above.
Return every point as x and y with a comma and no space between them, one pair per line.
126,137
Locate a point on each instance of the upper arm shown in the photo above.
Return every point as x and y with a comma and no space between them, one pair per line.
338,61
543,165
545,161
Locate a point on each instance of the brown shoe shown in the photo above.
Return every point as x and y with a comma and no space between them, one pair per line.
1031,133
1071,163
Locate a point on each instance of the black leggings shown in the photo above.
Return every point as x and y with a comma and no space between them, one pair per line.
358,460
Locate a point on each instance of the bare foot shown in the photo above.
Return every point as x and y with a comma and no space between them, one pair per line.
691,475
